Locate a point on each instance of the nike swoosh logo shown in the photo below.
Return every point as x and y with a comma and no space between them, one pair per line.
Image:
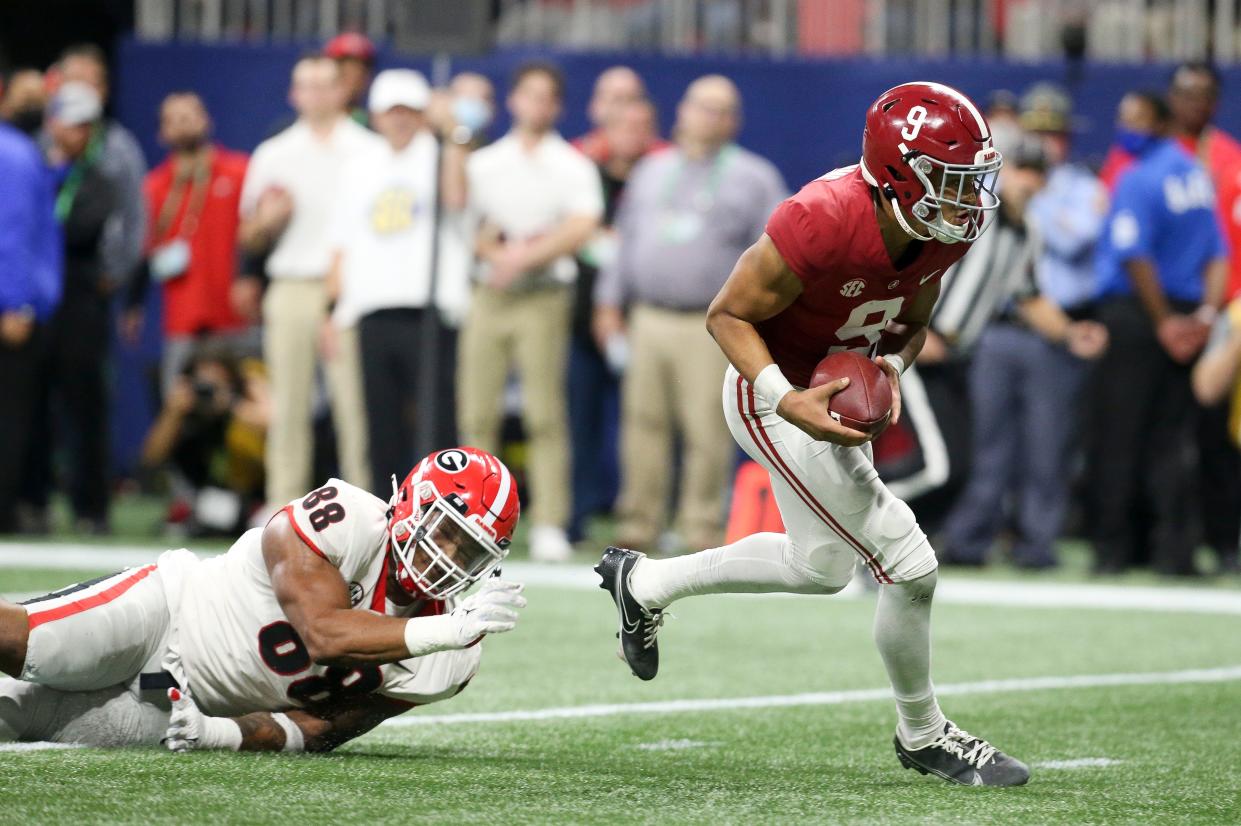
927,278
626,626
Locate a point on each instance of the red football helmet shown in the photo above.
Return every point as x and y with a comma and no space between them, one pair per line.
451,521
927,148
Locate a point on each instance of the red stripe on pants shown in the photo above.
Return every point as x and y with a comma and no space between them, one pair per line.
773,455
93,601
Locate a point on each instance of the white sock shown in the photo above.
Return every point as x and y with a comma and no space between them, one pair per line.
903,636
753,565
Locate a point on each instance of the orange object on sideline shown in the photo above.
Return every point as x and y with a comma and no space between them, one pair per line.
754,505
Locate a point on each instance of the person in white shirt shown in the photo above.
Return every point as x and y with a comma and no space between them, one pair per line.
537,201
387,263
287,203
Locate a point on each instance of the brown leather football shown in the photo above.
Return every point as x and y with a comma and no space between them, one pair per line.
866,403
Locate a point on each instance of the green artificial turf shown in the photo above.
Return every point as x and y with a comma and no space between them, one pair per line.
1174,750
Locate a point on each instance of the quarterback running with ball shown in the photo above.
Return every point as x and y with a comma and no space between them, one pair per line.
344,610
851,262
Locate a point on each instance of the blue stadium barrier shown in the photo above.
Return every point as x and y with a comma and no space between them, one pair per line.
805,115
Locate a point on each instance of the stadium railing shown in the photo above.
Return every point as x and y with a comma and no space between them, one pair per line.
1119,31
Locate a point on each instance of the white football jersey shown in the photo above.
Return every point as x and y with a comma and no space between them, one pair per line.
239,653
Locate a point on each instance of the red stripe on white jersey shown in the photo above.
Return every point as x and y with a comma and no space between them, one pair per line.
768,449
288,510
380,597
85,601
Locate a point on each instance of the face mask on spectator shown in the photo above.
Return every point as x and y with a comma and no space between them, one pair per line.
472,113
1135,143
190,143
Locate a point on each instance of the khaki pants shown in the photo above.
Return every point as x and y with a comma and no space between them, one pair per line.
531,332
672,386
293,314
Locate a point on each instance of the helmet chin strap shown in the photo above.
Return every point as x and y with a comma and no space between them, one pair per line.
900,219
936,234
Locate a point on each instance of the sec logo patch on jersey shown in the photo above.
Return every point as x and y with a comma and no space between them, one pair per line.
852,289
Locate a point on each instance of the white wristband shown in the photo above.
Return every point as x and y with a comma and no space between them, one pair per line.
219,733
896,361
426,635
771,385
294,740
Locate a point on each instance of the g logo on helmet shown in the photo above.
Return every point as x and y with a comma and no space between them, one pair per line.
452,461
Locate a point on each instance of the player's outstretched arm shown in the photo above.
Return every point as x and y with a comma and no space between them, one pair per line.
14,635
295,730
760,286
315,600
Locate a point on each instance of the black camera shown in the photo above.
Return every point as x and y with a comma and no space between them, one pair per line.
204,392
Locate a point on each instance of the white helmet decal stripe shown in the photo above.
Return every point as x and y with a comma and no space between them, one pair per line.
506,482
983,131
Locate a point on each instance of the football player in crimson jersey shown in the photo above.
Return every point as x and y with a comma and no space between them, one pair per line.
851,262
341,612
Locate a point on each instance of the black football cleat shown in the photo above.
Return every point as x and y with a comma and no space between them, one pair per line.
960,757
639,626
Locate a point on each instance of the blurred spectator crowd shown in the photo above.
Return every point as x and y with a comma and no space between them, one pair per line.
385,276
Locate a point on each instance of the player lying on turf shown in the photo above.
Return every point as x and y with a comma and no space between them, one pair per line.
344,610
852,262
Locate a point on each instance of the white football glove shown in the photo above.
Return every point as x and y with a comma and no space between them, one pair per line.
492,610
190,729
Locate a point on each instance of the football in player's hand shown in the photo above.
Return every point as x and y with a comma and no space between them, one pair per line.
866,403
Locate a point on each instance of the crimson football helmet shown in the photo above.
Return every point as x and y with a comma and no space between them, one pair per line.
926,147
451,521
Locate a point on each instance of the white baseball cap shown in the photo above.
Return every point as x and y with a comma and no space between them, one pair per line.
75,103
399,87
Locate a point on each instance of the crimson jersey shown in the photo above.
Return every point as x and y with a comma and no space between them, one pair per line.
828,235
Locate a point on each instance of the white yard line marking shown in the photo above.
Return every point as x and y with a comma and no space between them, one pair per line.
1079,763
674,745
41,745
951,589
68,556
824,698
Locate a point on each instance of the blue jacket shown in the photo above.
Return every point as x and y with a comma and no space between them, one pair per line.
1164,211
31,272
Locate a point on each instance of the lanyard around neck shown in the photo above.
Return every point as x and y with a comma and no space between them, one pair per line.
193,181
73,182
706,198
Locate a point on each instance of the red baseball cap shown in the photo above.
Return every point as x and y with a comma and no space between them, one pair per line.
350,44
